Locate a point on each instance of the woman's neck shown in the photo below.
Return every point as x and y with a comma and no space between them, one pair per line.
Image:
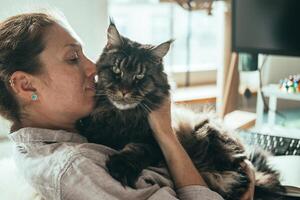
70,127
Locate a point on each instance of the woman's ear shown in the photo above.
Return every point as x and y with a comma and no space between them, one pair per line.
22,84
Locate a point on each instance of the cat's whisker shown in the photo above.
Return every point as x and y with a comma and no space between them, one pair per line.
137,99
110,93
147,107
144,108
100,95
152,104
99,92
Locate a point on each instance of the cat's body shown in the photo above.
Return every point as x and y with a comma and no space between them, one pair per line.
211,151
131,83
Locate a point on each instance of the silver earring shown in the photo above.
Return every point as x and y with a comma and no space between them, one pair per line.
34,96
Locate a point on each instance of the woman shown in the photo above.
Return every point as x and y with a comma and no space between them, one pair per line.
47,84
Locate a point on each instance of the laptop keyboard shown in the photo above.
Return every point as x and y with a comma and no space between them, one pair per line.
275,144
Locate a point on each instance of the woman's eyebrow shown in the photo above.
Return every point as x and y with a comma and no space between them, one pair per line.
74,45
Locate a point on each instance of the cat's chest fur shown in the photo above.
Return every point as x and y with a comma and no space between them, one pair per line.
116,128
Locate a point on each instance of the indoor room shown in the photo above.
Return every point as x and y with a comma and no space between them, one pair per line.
221,77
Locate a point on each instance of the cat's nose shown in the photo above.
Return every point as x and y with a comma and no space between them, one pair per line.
124,92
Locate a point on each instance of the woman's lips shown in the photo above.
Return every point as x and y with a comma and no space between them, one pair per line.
91,86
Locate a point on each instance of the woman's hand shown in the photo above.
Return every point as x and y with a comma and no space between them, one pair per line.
249,169
180,165
160,119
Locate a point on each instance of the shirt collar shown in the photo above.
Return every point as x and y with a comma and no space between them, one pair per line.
31,134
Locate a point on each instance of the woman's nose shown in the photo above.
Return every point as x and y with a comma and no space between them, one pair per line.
90,68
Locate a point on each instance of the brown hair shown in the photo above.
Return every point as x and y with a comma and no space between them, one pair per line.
21,42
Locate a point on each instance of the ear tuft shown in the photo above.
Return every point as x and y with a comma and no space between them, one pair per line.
161,50
114,39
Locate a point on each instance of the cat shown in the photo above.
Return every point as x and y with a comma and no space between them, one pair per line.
131,84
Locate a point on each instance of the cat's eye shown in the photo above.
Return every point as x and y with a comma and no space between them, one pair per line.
116,69
139,76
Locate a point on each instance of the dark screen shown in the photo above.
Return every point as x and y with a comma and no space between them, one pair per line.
266,26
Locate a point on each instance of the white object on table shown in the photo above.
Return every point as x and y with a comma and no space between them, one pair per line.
289,169
273,92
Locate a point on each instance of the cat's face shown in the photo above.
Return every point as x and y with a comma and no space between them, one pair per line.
131,74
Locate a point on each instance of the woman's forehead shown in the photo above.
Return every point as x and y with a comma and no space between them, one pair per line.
58,37
58,42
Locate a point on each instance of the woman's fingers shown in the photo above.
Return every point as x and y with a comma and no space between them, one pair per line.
249,169
160,119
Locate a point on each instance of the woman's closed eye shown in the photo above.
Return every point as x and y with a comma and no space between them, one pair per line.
73,58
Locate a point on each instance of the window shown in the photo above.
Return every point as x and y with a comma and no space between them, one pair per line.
152,22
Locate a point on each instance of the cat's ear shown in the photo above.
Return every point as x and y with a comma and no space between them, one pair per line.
161,50
114,39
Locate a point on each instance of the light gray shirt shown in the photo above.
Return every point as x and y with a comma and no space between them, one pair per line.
61,165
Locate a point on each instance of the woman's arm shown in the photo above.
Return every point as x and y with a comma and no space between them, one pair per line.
249,169
179,163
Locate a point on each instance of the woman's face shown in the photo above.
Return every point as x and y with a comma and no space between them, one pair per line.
67,90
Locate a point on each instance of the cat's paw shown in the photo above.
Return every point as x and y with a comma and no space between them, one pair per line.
123,170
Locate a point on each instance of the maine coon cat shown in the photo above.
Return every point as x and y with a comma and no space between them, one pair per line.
132,83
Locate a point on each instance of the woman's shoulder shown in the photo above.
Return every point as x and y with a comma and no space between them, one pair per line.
46,154
43,156
47,143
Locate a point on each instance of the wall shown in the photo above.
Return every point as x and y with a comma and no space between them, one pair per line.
88,18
